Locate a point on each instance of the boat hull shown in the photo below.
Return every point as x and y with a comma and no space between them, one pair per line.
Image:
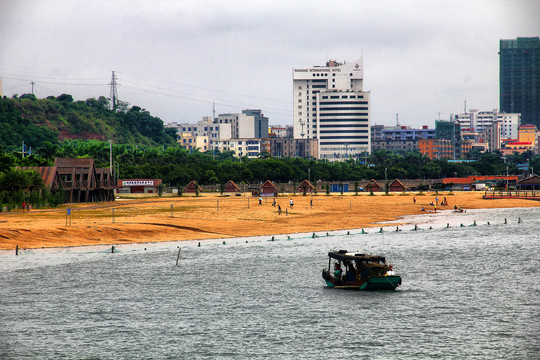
390,282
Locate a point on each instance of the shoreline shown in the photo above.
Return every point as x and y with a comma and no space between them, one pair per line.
215,217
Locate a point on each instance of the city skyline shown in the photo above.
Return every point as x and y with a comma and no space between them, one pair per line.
175,59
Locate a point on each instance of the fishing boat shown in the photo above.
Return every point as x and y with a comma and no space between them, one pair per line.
355,271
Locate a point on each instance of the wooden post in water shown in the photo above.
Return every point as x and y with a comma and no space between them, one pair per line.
17,250
178,256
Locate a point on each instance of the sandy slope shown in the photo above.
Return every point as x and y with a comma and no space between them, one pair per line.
148,220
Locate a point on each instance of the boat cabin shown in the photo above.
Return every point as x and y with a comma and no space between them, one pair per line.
356,265
358,271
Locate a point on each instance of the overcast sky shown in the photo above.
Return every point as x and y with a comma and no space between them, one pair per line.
175,58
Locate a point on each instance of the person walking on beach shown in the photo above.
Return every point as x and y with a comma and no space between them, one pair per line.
274,203
260,201
414,200
291,203
279,209
311,203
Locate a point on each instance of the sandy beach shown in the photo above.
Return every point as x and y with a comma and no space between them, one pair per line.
210,217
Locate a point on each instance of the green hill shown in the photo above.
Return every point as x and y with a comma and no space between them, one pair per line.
55,119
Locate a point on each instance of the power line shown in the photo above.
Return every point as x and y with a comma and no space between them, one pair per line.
207,101
208,89
142,86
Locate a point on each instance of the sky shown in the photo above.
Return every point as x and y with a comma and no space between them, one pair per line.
423,60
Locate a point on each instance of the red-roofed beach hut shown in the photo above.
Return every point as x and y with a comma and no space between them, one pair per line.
231,187
268,189
191,187
396,186
372,186
309,188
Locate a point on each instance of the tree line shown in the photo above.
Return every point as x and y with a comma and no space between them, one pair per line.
177,166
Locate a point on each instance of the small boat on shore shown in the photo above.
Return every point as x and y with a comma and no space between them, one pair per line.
356,271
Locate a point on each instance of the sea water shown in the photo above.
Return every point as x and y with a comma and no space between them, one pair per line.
468,292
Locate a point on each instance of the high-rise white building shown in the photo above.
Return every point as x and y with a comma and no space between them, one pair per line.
480,121
329,104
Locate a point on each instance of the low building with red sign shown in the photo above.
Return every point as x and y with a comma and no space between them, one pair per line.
138,186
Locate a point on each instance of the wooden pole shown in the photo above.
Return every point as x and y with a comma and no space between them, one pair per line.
217,205
178,256
113,216
172,210
17,250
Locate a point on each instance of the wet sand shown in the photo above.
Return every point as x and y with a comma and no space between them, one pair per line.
210,217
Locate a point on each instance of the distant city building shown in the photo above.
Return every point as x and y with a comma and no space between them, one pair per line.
260,123
519,78
292,148
205,127
398,138
240,147
193,142
436,148
450,130
527,141
281,131
246,125
479,121
329,104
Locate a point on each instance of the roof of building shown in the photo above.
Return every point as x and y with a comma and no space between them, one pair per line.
370,183
473,178
397,182
532,180
307,184
268,183
230,185
520,143
74,163
47,173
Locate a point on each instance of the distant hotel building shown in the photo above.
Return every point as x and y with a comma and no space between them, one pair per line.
329,104
519,78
